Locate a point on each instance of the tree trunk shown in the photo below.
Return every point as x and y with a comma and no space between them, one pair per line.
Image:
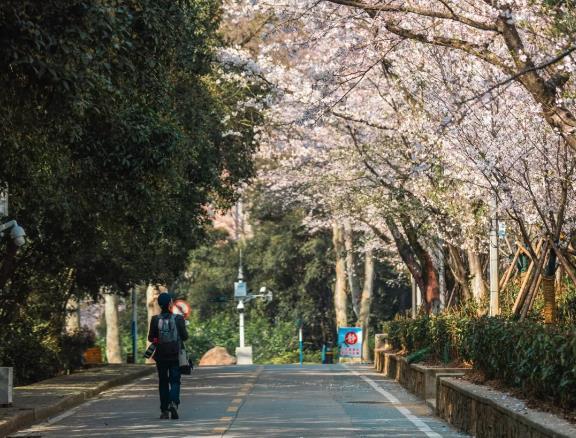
72,315
340,286
153,309
366,302
113,348
418,261
476,275
560,280
353,282
558,116
459,271
432,291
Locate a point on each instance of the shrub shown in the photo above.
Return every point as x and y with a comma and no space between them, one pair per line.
73,346
539,360
30,348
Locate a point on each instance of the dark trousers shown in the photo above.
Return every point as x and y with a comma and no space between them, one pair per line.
168,383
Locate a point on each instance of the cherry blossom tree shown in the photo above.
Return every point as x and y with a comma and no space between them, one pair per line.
412,136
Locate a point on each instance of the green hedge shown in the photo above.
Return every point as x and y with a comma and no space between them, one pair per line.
537,359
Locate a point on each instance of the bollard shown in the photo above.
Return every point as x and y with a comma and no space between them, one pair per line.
6,383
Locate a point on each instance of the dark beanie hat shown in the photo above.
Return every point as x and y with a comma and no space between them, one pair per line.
164,299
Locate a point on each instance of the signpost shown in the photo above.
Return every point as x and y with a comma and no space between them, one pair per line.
301,344
350,342
134,326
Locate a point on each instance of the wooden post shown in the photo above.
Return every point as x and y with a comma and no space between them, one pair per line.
531,291
510,269
521,297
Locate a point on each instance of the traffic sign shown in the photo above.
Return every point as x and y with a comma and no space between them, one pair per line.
350,341
181,307
350,338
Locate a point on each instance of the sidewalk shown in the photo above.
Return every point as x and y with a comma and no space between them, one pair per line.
48,398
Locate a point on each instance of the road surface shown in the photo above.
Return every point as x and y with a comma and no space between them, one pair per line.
257,401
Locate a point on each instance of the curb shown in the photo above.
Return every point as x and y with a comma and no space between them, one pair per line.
29,417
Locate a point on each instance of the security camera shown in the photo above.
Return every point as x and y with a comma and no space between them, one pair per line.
18,235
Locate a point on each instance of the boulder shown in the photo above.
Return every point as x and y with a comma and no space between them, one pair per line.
217,356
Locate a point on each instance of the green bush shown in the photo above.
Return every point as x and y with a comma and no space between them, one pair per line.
31,349
73,346
271,341
539,360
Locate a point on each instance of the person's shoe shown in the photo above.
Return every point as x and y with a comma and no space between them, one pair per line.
164,415
174,411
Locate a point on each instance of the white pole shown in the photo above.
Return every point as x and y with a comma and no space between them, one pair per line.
242,324
414,297
494,302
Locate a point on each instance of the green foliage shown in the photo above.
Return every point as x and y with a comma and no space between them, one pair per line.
566,306
271,342
537,359
72,347
29,342
220,330
296,265
113,142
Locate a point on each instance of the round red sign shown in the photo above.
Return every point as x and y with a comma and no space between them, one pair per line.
351,338
181,307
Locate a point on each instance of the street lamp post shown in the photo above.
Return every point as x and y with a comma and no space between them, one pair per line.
243,352
240,308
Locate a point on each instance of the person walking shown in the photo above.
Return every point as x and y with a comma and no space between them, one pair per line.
167,332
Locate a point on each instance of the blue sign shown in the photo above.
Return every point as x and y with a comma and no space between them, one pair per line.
350,341
240,289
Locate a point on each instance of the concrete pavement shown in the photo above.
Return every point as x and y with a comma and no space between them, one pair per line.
50,397
257,401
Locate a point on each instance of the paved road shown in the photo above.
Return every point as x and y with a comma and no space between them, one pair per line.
257,401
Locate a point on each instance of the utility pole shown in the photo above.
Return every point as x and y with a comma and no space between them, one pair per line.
134,325
494,301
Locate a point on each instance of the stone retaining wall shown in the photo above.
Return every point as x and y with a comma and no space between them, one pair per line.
477,410
418,379
486,413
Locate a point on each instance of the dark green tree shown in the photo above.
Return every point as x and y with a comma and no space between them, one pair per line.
112,144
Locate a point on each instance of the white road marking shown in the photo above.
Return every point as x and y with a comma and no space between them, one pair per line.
422,427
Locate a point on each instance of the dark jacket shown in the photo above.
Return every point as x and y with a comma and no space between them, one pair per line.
153,331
